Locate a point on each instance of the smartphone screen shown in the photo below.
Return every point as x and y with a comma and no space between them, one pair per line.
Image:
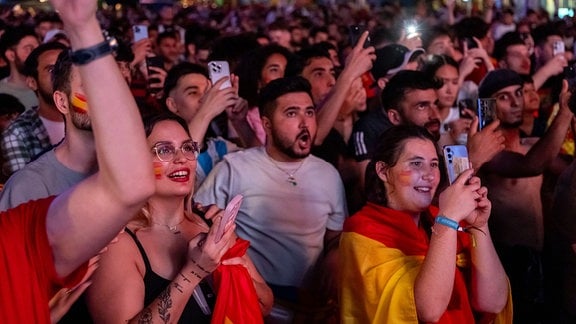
486,111
229,217
456,160
217,70
558,47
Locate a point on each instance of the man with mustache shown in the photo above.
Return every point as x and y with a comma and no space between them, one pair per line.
294,205
514,181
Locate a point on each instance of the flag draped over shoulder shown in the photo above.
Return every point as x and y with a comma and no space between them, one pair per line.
382,251
237,301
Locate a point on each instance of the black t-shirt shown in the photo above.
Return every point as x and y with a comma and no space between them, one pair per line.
366,132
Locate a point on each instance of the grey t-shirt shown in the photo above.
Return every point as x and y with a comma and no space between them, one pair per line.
44,177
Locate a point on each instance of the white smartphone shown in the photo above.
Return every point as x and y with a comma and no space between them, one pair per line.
217,70
229,217
140,32
558,47
456,161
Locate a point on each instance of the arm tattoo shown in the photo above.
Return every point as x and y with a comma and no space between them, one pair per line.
184,278
146,316
164,305
178,286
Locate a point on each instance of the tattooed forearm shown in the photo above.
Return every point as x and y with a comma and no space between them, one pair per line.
184,277
145,317
178,287
164,305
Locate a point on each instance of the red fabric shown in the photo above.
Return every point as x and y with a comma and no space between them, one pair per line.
26,264
396,229
237,301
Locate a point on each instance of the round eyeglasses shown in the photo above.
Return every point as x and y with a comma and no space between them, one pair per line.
166,152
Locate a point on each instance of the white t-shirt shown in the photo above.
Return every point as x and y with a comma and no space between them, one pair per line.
285,223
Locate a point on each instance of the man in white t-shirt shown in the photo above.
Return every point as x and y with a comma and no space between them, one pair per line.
294,205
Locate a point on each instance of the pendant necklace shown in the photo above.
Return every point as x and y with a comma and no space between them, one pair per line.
291,179
174,228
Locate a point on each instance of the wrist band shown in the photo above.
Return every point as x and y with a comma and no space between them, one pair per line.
443,220
86,55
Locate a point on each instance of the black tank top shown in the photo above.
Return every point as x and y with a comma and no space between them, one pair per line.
154,285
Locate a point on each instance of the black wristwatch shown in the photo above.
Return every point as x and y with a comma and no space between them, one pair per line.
86,55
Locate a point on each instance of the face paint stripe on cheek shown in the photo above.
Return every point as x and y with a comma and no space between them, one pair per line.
405,177
157,170
79,103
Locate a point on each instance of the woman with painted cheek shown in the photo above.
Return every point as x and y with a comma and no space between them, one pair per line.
406,261
158,270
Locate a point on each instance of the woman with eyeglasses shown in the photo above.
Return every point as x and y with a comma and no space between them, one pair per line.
158,271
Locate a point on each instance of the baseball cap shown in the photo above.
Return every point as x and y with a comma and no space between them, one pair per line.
393,58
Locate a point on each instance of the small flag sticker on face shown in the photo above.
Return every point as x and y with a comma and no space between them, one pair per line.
157,170
79,103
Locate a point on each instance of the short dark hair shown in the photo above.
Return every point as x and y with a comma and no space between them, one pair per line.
402,82
471,27
62,73
542,32
151,120
304,57
507,40
431,33
389,147
10,104
166,34
177,72
277,88
12,36
31,63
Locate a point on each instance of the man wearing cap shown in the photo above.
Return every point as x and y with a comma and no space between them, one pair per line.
514,178
392,59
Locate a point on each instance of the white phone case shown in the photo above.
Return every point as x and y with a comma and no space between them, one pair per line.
217,70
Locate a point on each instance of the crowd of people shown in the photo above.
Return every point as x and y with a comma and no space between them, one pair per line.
128,131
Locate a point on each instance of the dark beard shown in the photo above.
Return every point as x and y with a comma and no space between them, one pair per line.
511,125
286,148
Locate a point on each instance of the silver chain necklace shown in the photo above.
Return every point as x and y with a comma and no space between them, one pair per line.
174,228
291,179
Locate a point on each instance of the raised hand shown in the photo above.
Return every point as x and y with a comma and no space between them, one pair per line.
459,199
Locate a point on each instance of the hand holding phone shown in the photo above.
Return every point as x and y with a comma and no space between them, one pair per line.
456,161
486,111
229,217
217,70
558,47
140,32
355,32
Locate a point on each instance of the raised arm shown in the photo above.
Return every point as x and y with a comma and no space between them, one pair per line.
543,153
84,219
435,281
358,62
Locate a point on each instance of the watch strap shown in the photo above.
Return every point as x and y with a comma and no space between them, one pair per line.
86,55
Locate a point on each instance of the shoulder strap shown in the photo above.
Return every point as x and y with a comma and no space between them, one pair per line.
141,249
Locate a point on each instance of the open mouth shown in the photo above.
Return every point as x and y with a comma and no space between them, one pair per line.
179,175
423,189
304,137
